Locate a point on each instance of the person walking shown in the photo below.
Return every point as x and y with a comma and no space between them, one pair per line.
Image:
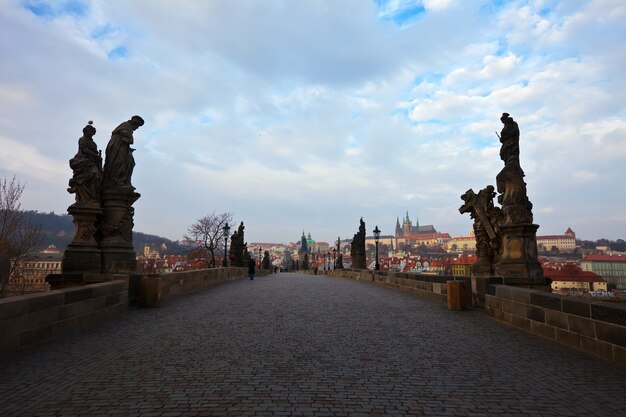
251,265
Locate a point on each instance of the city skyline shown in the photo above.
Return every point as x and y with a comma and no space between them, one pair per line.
310,115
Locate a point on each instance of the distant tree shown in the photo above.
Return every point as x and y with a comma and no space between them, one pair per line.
18,236
619,245
208,231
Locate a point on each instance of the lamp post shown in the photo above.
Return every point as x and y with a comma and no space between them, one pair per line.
376,238
226,229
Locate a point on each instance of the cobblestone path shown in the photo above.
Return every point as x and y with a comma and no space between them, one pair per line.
302,345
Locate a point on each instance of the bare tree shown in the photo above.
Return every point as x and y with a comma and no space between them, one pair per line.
209,232
18,236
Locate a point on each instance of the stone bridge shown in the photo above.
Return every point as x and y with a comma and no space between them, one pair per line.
304,345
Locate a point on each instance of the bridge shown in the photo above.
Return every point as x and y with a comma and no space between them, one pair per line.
305,345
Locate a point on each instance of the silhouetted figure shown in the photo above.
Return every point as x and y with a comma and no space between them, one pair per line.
251,266
87,168
119,163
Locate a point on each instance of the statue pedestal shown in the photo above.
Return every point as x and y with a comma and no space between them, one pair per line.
116,227
82,254
518,264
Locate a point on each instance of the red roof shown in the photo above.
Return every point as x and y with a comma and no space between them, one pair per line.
605,257
570,272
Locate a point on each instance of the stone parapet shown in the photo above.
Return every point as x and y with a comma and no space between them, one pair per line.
433,287
34,318
595,327
156,288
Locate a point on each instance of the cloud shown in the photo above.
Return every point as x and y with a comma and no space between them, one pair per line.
283,112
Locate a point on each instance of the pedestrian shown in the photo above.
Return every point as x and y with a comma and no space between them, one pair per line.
251,265
275,269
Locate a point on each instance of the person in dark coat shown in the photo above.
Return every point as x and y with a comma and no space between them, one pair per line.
251,265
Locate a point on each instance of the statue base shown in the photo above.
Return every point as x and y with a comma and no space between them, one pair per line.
116,242
82,254
118,259
518,264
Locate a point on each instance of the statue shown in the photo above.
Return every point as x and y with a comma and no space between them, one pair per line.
119,164
357,248
87,168
486,218
339,262
238,249
509,138
510,181
506,244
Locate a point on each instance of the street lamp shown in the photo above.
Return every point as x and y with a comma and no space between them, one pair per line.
376,238
226,229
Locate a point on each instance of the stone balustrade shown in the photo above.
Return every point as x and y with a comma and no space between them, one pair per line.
595,327
30,319
156,288
433,287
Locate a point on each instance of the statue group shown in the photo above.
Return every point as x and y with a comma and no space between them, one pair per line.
102,211
506,244
238,254
357,248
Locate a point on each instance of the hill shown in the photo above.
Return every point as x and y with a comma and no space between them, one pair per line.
59,231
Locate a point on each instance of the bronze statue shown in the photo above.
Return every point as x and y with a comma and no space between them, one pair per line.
119,164
87,168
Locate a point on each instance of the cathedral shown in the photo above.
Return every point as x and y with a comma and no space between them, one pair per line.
407,228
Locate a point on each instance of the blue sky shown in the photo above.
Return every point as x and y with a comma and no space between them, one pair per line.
311,114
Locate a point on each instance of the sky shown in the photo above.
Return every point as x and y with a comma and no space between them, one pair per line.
308,115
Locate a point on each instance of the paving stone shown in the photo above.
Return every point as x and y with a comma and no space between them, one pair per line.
303,345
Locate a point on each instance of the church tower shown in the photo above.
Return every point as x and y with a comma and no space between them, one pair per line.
398,228
406,225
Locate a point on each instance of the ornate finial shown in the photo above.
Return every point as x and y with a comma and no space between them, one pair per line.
90,122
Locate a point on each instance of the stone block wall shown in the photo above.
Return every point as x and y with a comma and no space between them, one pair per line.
34,318
594,327
427,286
156,288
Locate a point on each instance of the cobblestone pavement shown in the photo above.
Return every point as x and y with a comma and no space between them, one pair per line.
296,345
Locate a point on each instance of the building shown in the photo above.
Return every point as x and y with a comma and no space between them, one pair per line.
462,266
408,228
571,278
565,243
609,266
29,275
462,244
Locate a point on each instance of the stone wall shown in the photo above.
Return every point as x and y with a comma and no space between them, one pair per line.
427,286
595,327
30,319
156,288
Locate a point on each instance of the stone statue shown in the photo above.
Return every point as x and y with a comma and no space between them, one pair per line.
119,164
509,138
506,245
357,248
510,181
339,262
486,219
238,249
87,168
